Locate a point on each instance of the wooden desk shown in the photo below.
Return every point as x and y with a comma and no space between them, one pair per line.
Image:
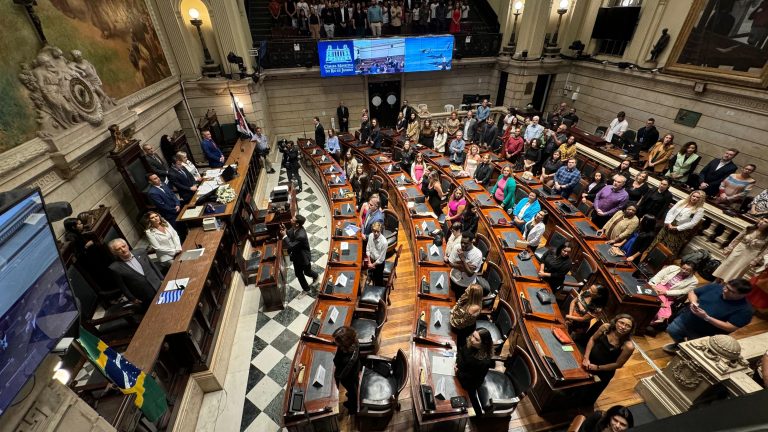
523,269
542,312
432,255
600,250
348,291
508,238
429,276
584,228
322,313
321,403
423,226
496,217
436,327
241,155
351,257
344,209
565,209
587,138
443,418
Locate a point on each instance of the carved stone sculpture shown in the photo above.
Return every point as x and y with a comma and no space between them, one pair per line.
660,45
723,350
118,139
64,92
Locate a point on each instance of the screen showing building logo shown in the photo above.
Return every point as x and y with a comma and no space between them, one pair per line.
336,58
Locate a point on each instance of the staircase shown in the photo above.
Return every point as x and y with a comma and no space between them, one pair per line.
259,19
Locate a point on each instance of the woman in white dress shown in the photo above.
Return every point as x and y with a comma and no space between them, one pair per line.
745,250
188,165
163,239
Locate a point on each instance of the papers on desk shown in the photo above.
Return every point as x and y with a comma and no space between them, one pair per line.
348,208
206,187
344,246
440,281
319,377
341,280
192,254
443,365
333,315
177,284
424,226
438,318
213,173
434,250
401,188
193,212
171,296
440,389
351,229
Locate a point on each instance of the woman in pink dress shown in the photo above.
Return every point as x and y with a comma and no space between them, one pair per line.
456,206
418,169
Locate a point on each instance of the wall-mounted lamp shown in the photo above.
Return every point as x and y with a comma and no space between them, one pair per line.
561,10
210,68
518,9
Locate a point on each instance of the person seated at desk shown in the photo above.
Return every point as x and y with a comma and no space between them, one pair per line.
182,180
474,359
454,241
134,273
671,284
609,200
346,364
566,178
633,247
163,239
456,205
484,171
714,309
586,306
618,418
465,312
465,262
211,151
595,186
503,191
534,229
376,252
555,265
609,349
526,210
621,225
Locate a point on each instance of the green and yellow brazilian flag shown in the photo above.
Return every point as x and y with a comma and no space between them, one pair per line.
150,398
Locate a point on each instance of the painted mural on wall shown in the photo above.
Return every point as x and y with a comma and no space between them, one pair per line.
116,37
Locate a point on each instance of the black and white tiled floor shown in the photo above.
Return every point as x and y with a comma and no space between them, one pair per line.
277,333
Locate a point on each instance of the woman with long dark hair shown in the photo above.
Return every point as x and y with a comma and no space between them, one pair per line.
684,162
595,186
474,359
584,307
609,348
346,364
555,265
744,251
618,418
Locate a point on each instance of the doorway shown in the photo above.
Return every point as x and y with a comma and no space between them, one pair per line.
541,91
384,102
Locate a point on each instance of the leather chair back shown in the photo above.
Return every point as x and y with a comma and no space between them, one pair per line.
483,244
391,221
521,371
400,371
505,319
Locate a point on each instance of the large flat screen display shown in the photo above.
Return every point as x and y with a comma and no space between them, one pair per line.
36,302
384,56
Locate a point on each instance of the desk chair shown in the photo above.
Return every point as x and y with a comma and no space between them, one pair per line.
447,186
576,193
576,423
390,265
556,237
383,199
585,207
503,324
482,243
371,294
492,275
655,260
501,392
601,130
368,326
118,324
520,194
582,276
381,381
391,227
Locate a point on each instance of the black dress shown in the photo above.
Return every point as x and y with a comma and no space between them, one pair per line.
604,353
435,200
483,174
636,193
346,371
655,203
427,138
558,267
551,166
471,370
406,160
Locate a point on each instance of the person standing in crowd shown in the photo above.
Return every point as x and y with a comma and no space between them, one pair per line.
401,125
634,246
734,189
346,364
332,145
427,134
595,186
359,20
660,154
609,348
503,191
157,165
679,222
483,111
745,250
714,309
212,153
534,230
412,132
532,157
262,148
418,169
586,306
456,148
166,202
484,171
292,165
488,133
555,265
441,137
163,239
474,359
319,132
182,180
365,129
295,240
396,20
375,138
618,126
376,251
525,211
373,215
454,241
513,146
622,170
434,193
672,284
134,273
375,18
621,225
655,202
609,200
470,125
647,136
456,205
314,24
471,161
329,23
683,163
455,24
533,130
568,148
465,263
550,167
638,187
274,12
716,171
465,312
566,178
571,119
453,124
290,13
303,22
407,156
342,114
618,418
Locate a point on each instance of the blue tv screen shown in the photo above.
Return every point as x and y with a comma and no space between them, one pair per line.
385,56
36,302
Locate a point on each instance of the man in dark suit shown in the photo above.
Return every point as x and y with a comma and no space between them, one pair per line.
319,132
211,150
342,113
182,180
135,275
406,110
297,243
716,171
374,215
157,165
168,205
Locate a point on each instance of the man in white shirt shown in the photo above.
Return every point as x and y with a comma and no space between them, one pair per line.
262,147
376,250
533,130
618,126
465,263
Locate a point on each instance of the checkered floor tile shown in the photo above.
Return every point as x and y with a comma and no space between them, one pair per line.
277,333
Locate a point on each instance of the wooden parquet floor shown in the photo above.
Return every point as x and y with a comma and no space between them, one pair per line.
397,335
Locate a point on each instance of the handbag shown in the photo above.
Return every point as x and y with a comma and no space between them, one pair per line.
544,296
524,255
561,336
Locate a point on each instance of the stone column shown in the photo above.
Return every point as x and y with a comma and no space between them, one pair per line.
187,61
699,367
639,48
231,34
532,28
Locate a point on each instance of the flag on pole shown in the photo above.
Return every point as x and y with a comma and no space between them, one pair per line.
150,398
242,125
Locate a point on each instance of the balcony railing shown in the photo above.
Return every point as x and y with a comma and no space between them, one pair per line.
302,52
